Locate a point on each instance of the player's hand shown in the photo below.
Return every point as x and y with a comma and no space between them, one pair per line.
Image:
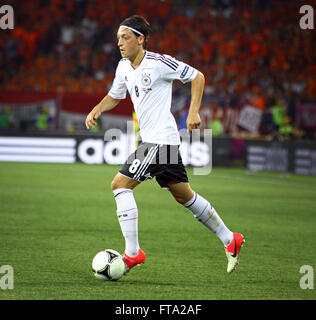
193,121
92,117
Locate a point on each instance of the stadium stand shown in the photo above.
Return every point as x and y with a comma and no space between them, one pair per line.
251,52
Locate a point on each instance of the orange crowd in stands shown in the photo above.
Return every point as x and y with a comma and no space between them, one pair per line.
241,46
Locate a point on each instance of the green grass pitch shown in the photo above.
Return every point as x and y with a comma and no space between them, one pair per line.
55,217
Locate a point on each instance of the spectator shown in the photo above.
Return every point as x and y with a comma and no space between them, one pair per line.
43,119
216,125
6,121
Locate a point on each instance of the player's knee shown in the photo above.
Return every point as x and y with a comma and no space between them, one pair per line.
114,184
179,198
120,181
182,194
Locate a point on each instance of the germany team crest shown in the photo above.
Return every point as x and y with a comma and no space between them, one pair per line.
146,81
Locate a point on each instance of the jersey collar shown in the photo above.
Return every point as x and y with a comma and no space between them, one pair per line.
140,61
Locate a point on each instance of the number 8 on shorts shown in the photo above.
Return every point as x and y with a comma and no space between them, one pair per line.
134,166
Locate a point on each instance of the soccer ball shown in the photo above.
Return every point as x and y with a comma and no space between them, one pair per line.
108,265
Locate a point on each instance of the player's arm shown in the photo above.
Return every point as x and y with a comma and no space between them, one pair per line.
106,104
197,88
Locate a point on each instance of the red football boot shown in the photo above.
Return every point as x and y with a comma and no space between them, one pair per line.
133,261
232,251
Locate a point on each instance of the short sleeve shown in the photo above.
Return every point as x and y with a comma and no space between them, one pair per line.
172,69
118,89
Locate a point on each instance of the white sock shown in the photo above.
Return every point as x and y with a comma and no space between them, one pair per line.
206,214
127,214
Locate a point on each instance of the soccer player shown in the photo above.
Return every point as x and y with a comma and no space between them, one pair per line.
148,78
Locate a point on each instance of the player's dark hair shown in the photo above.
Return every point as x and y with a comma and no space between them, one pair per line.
140,24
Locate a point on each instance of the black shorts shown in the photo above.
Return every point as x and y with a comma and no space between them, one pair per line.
155,160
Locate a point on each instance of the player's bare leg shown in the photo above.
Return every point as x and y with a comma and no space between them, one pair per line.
182,192
122,182
207,215
127,213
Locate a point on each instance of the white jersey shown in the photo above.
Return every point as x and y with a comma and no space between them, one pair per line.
150,88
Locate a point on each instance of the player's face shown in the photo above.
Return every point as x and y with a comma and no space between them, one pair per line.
128,43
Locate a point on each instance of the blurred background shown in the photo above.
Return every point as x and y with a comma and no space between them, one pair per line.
60,58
